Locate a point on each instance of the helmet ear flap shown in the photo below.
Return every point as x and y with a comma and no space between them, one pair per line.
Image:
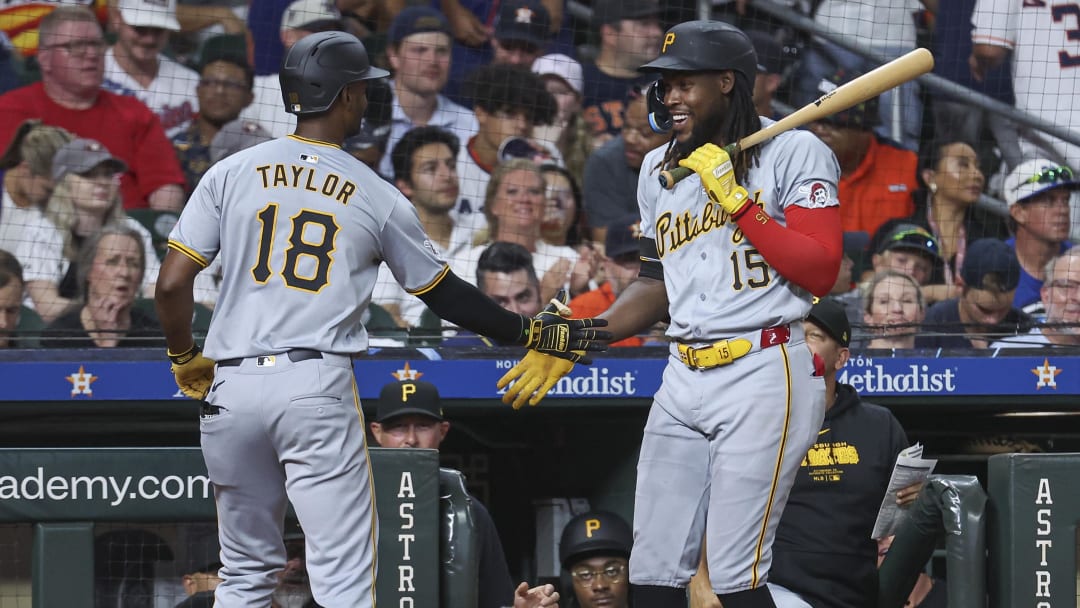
660,120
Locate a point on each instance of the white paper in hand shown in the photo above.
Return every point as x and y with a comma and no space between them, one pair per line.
910,468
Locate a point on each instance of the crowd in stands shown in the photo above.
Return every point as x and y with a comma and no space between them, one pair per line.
517,122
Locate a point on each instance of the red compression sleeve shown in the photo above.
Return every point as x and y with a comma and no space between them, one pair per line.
807,251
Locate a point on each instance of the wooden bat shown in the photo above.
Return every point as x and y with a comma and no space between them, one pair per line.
871,84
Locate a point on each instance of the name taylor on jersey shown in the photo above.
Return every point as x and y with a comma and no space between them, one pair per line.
330,185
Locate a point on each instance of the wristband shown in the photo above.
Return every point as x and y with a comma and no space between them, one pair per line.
184,357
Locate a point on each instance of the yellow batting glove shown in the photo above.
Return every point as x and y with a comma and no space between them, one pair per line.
532,378
194,373
713,165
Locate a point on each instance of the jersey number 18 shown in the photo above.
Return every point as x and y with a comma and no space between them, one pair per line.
321,252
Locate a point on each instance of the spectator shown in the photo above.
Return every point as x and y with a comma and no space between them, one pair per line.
568,132
522,31
894,310
611,173
1038,193
136,66
425,169
508,102
906,248
26,181
224,90
620,265
1044,52
984,308
877,177
370,144
70,96
409,415
300,19
955,118
1061,300
514,210
770,70
419,54
823,554
595,549
947,208
12,289
629,34
564,221
200,574
505,273
888,26
111,266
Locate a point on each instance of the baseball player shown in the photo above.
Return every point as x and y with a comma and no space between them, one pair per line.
734,255
300,227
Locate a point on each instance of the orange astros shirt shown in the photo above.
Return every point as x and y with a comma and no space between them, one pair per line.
879,189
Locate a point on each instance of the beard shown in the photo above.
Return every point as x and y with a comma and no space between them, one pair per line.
707,131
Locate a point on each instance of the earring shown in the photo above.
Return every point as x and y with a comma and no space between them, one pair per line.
933,188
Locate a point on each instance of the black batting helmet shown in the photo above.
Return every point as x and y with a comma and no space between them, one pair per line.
699,46
595,532
319,66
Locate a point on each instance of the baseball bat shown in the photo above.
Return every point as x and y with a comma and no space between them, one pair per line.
871,84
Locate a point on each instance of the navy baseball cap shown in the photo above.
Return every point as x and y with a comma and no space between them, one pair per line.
832,319
416,20
990,264
622,238
909,237
524,21
408,397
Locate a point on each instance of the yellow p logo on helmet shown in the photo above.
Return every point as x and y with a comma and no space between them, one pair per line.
669,39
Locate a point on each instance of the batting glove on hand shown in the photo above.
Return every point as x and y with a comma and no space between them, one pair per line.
713,165
552,333
532,378
194,373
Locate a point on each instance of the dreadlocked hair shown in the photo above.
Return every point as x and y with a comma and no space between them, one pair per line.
740,119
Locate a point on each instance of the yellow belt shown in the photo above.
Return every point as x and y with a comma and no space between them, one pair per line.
716,354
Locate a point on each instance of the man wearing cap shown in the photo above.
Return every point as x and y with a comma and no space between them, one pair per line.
1061,301
906,248
301,19
224,90
409,415
418,49
877,176
136,66
621,264
595,550
522,32
984,309
1038,193
770,68
630,35
823,554
611,173
72,58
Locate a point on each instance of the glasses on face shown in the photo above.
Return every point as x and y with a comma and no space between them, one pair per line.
920,239
230,86
612,573
80,48
1050,176
1065,285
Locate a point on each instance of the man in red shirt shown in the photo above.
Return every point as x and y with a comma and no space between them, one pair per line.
877,176
72,58
622,262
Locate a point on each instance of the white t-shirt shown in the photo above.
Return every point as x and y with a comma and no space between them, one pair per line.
17,222
268,109
171,95
473,181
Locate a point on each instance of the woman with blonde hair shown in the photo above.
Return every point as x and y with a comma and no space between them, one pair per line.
895,309
514,207
26,180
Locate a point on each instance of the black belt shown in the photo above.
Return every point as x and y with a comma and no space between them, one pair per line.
295,355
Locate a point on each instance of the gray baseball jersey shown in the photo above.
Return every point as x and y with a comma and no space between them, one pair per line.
301,228
722,445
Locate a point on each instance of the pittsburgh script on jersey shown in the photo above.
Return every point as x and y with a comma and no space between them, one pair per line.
674,231
296,176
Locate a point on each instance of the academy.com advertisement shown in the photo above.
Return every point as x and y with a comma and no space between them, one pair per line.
127,484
